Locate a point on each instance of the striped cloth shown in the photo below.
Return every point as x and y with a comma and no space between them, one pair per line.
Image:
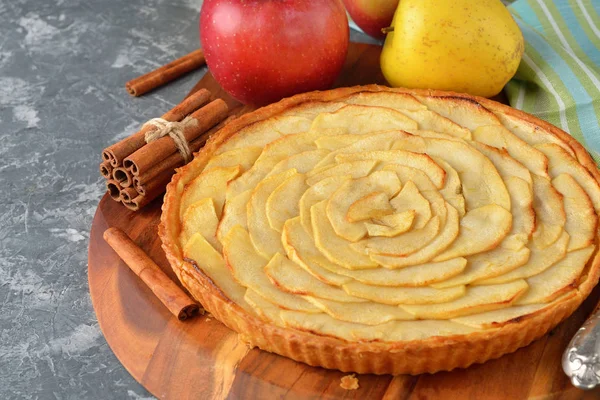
559,77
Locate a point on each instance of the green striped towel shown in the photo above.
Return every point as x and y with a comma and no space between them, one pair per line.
559,77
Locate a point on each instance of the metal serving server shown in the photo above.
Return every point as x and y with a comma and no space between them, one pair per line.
581,359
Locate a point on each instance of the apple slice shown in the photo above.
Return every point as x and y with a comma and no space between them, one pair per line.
263,307
336,142
420,162
452,191
409,198
429,120
559,279
266,240
282,203
397,101
356,169
521,198
402,245
301,249
272,154
414,276
403,295
561,163
481,229
581,220
302,162
462,111
501,138
201,217
477,299
335,248
539,261
290,278
379,141
261,133
374,205
342,199
549,212
475,170
318,192
392,331
497,318
249,179
487,265
364,119
532,134
247,267
234,213
426,189
437,245
391,225
244,157
365,313
209,184
211,263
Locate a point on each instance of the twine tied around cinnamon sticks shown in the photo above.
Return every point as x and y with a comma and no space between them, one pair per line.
175,130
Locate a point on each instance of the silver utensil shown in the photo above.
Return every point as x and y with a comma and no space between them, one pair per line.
581,359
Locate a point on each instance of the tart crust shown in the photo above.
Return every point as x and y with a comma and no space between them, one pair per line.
313,348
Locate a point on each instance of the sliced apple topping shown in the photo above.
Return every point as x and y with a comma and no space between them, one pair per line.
373,205
386,216
477,299
391,225
201,217
248,266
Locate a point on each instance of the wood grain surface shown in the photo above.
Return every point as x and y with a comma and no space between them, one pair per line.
202,359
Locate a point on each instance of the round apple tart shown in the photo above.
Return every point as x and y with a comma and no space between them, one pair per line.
382,230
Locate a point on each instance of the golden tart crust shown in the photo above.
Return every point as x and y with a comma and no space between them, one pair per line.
470,338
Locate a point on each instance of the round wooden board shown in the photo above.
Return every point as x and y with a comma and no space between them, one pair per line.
202,359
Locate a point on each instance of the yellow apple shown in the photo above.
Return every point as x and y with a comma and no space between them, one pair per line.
458,45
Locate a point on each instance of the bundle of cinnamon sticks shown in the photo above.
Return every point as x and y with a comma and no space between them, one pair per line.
137,172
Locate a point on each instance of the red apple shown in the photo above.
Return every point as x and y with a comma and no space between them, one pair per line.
261,51
372,15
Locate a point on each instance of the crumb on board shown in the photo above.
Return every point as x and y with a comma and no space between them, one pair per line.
349,382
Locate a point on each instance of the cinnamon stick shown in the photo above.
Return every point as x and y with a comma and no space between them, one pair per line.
106,169
128,194
166,73
151,154
171,295
154,187
122,176
116,153
114,189
137,203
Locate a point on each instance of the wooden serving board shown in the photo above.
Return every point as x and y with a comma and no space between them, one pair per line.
202,359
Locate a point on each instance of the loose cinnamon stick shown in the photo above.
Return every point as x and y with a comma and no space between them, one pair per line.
116,153
114,189
166,73
175,299
123,176
106,169
151,154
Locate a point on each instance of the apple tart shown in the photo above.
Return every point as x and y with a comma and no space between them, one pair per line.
382,230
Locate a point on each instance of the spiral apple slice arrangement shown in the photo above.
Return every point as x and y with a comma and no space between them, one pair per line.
392,217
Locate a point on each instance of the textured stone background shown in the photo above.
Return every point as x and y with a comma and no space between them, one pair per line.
63,64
